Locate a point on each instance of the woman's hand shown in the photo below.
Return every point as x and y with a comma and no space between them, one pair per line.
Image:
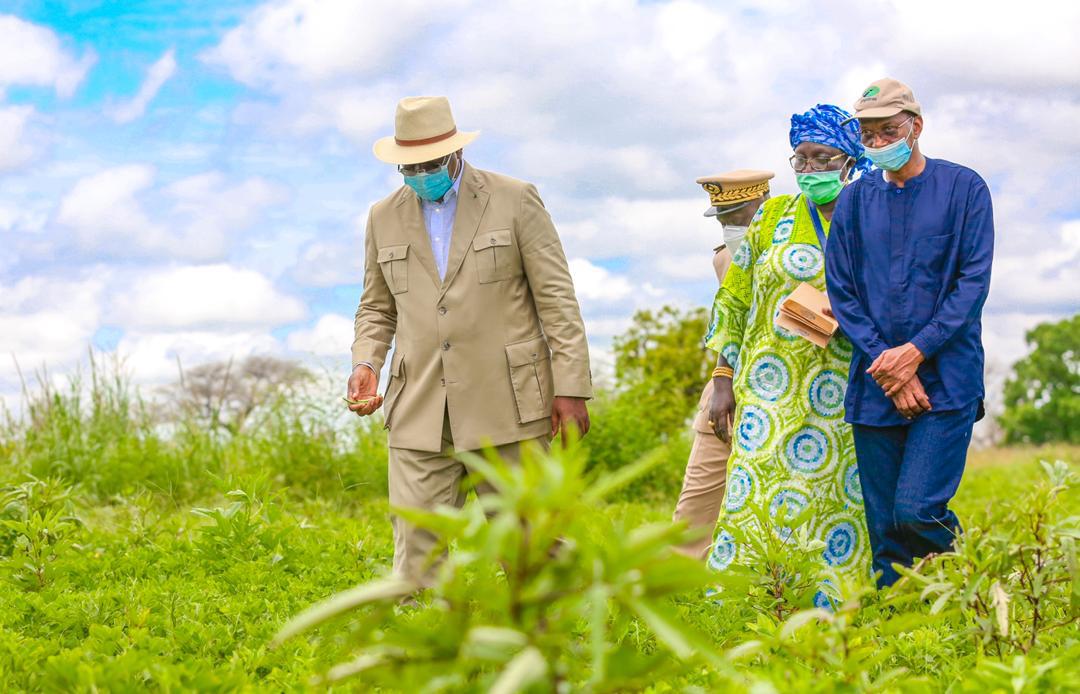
722,408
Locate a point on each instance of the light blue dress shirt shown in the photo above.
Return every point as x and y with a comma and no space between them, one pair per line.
439,220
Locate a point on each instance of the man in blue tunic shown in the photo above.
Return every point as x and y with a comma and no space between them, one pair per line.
908,270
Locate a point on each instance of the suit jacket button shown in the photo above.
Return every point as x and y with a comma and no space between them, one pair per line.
442,310
445,346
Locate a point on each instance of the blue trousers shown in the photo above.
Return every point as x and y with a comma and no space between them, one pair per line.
909,474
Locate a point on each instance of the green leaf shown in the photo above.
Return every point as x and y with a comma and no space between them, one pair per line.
608,483
667,631
527,668
392,588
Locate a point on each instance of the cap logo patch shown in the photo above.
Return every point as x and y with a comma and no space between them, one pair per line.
872,91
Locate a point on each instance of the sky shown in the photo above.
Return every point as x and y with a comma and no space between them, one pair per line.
188,180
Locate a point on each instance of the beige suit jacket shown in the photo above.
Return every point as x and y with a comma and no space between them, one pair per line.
494,341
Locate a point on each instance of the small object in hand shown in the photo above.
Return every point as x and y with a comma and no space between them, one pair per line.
362,401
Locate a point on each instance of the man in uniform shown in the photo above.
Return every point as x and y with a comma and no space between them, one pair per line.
465,273
735,197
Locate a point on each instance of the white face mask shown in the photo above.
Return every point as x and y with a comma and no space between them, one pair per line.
733,236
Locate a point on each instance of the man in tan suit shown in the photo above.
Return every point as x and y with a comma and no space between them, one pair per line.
735,197
465,274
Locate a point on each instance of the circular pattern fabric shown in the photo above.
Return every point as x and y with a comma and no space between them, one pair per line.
754,428
723,551
740,485
782,333
742,256
852,484
807,450
783,231
730,352
802,261
770,377
827,394
840,347
841,543
790,501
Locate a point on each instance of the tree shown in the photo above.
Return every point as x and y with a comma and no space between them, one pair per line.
663,360
1042,399
223,394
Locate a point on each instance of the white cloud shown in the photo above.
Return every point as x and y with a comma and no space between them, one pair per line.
106,211
330,263
156,357
156,77
594,283
47,322
320,40
15,148
32,55
203,296
331,336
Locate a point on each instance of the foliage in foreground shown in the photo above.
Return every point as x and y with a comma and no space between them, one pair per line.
136,557
541,595
551,594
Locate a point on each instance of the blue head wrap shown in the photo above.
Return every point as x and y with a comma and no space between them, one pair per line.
822,124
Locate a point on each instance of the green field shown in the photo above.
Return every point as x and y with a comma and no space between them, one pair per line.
136,559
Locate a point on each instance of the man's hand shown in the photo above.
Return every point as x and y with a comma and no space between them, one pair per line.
363,390
722,408
569,412
895,367
911,400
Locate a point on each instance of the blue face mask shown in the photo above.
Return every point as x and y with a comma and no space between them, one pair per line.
433,185
891,157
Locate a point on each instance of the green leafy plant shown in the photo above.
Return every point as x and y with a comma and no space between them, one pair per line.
39,527
542,591
1017,578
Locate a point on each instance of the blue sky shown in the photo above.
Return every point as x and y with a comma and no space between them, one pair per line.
190,179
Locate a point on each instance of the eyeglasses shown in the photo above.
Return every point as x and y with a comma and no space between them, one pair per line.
818,163
889,133
423,167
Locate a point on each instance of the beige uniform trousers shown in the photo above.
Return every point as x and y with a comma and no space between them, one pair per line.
703,483
425,480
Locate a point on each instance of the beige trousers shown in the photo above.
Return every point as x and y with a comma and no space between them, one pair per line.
425,480
703,483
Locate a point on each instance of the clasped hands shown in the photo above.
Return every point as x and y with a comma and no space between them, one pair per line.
894,370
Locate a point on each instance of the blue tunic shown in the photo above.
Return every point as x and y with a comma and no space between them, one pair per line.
912,264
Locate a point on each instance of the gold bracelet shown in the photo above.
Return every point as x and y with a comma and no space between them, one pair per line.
723,372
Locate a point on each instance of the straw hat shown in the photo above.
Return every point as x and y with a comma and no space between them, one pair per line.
424,130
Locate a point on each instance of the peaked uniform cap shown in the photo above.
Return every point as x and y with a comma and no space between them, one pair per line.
424,130
734,188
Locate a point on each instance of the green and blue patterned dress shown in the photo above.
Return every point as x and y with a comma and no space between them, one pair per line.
791,447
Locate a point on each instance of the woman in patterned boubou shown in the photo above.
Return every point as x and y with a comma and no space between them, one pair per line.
792,452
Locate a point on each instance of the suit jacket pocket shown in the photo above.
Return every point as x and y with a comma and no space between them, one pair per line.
496,256
530,376
394,387
394,262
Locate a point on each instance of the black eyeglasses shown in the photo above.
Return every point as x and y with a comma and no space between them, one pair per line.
423,167
819,163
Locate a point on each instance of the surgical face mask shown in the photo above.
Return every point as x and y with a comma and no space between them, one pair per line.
821,186
431,185
893,156
733,236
